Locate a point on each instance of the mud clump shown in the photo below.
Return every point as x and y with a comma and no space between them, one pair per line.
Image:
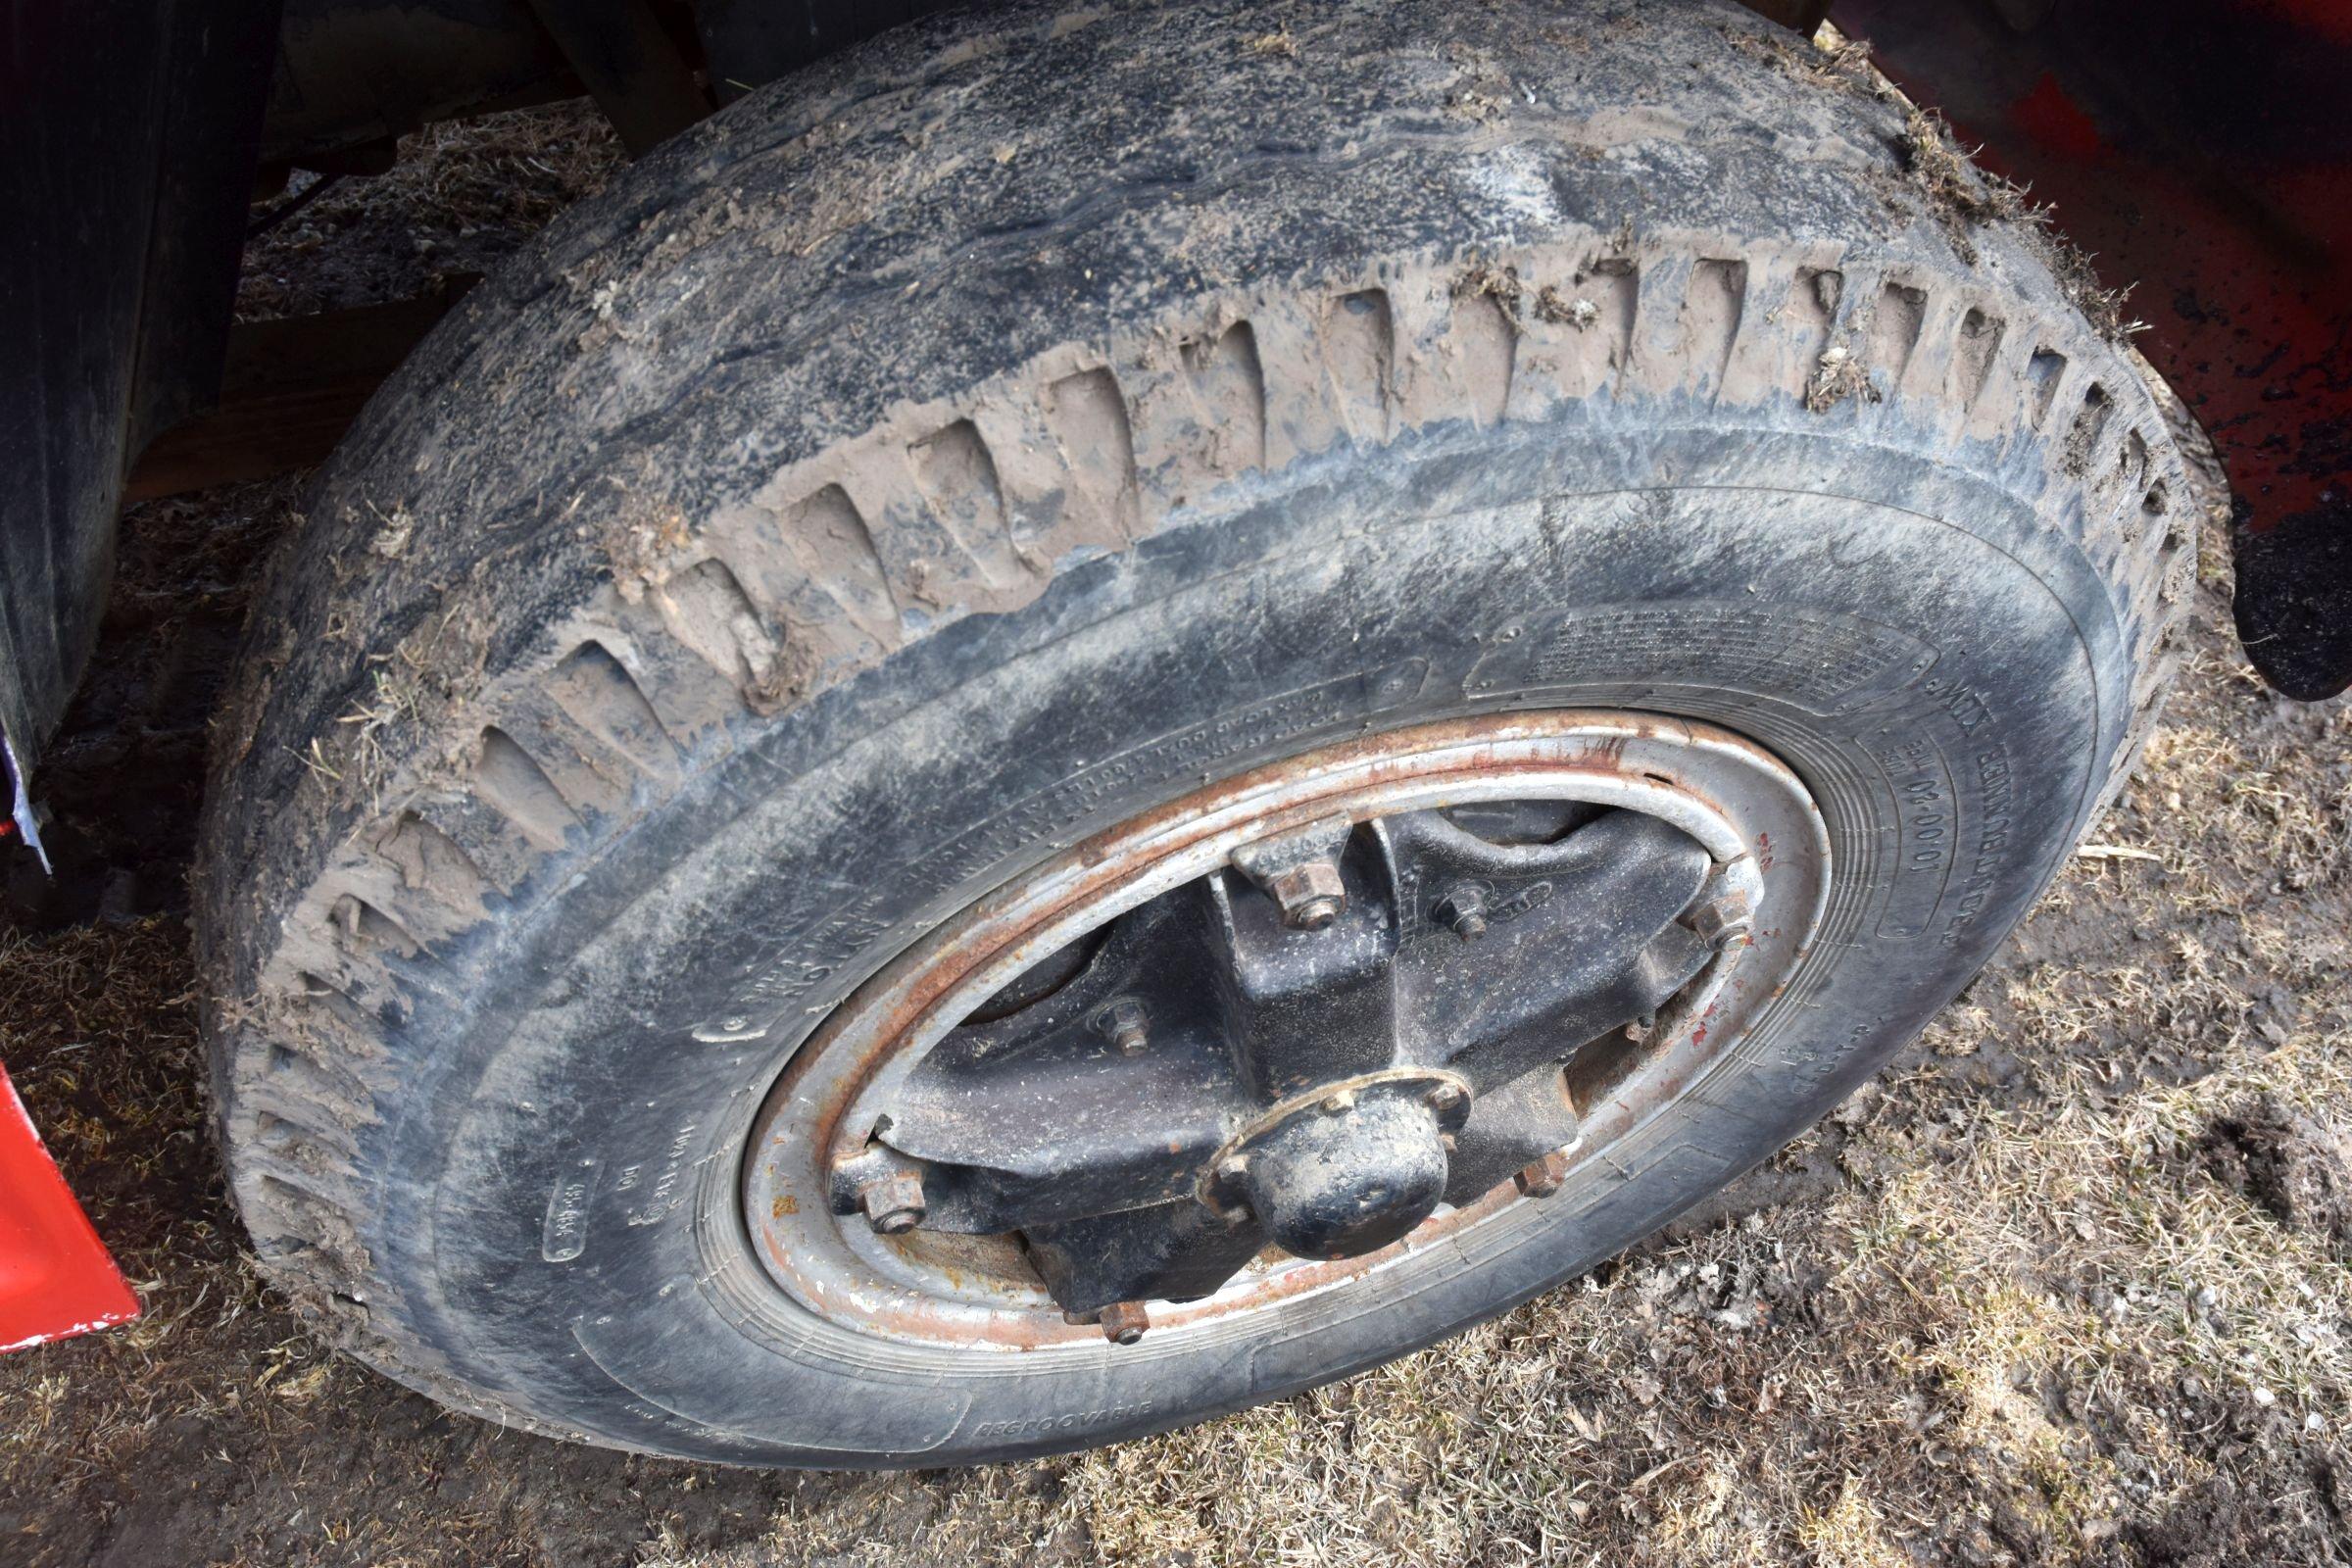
2215,1525
1836,376
1558,309
1963,197
1829,59
1498,283
1960,194
2293,1169
642,542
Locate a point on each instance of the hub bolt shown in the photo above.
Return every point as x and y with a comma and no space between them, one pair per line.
893,1204
1226,1184
1464,909
1310,895
1124,1322
1338,1103
1546,1176
1443,1098
1126,1025
1723,920
1299,870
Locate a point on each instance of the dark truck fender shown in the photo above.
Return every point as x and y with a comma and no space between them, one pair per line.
127,137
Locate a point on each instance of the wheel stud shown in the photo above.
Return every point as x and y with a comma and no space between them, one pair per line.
1299,870
1124,1322
1723,921
1464,911
1546,1176
1310,895
893,1204
1127,1026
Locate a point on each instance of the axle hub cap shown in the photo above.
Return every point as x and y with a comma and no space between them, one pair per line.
1346,1169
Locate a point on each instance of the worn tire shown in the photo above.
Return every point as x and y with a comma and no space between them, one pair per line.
1008,425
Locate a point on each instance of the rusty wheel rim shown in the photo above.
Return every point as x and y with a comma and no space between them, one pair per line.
1753,816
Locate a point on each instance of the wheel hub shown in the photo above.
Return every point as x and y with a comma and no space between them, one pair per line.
1344,1169
1284,1028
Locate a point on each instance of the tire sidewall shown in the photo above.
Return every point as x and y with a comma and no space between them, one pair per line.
1940,665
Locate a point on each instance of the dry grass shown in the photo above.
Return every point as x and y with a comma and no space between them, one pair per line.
462,195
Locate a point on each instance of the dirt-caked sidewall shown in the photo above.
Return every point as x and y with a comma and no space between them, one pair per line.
1027,418
1943,673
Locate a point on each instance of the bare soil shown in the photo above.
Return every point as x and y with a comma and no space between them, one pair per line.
2072,1283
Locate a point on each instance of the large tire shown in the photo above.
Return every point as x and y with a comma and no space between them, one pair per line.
1010,425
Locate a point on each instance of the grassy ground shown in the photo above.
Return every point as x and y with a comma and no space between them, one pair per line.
2073,1282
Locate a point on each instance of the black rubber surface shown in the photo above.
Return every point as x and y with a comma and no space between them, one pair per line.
1014,423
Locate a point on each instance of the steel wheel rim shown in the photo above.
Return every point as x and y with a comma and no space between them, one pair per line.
1753,816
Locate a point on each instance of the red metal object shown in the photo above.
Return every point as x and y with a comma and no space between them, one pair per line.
56,1278
2201,149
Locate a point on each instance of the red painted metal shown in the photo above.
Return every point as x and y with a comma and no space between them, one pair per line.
56,1278
2201,149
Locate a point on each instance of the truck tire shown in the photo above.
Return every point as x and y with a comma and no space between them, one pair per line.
992,454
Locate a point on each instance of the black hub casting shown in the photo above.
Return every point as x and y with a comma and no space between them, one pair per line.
1311,1048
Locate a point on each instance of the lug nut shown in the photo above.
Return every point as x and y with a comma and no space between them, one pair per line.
1126,1025
1546,1176
1299,870
1124,1322
1310,895
1225,1182
1723,920
1464,909
893,1204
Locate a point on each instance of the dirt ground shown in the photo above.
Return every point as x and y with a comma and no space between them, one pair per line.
2072,1283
